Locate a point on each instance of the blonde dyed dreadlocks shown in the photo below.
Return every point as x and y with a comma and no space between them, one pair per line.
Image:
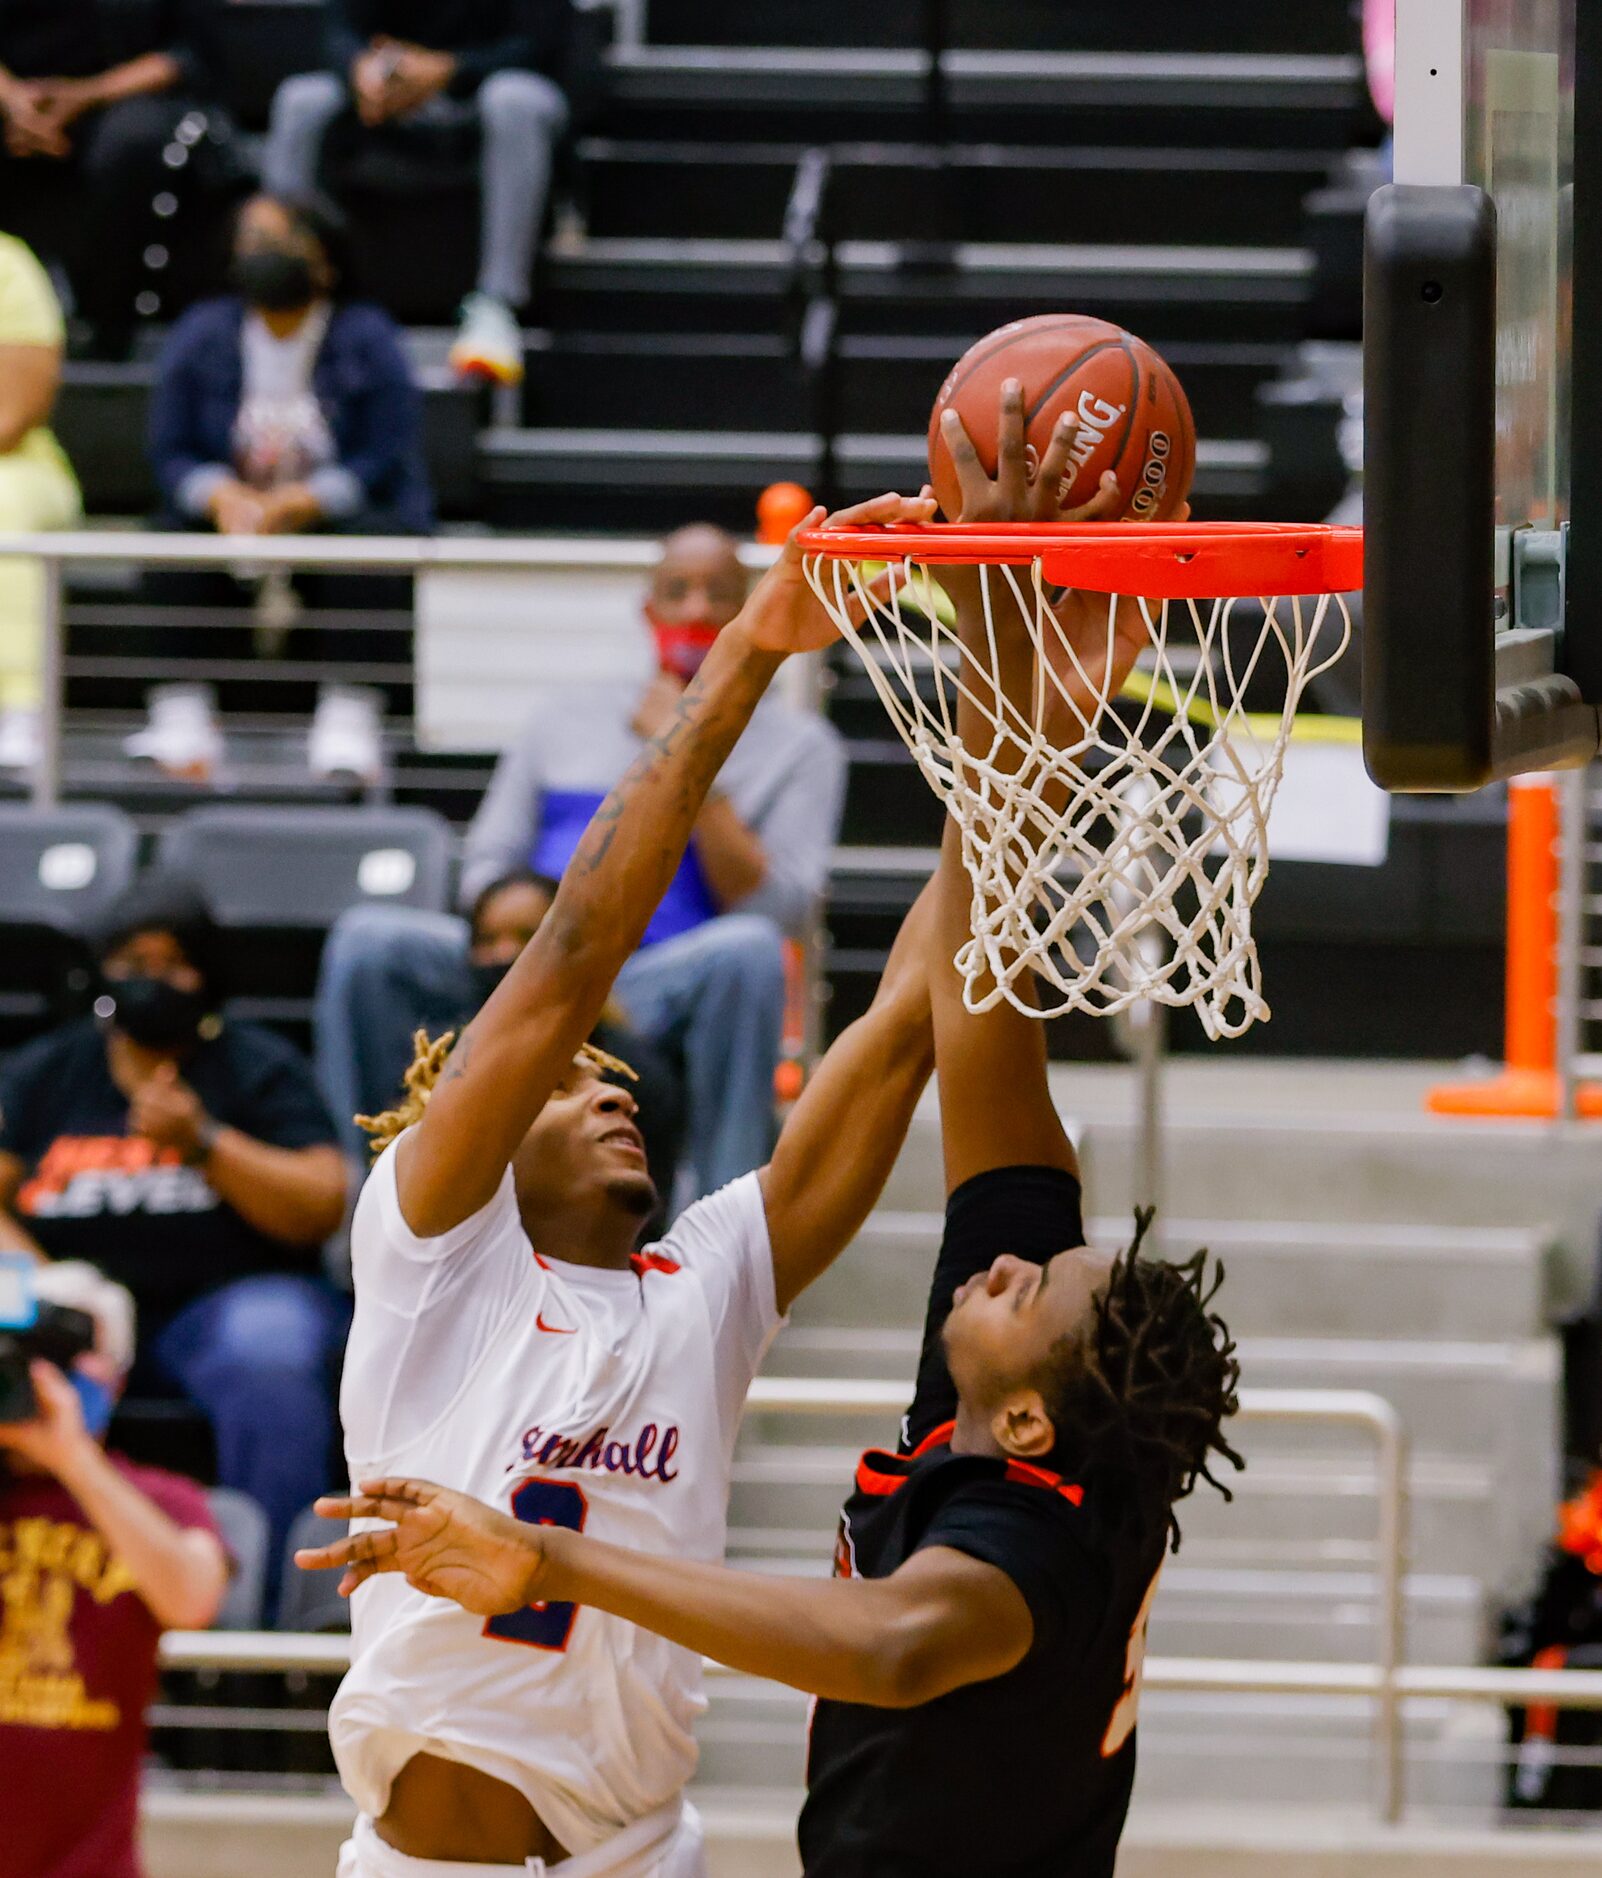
427,1064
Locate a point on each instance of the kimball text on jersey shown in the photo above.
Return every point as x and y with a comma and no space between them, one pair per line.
642,1457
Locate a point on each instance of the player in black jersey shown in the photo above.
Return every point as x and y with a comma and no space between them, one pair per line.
977,1656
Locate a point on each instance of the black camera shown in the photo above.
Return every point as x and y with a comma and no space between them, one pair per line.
59,1334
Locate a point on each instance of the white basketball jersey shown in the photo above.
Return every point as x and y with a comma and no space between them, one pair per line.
602,1401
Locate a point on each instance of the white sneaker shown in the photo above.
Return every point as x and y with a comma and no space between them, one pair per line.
346,734
19,737
489,343
181,737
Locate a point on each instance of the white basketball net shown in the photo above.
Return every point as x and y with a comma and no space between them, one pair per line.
1125,865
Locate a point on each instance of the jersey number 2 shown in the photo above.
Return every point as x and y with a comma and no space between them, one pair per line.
1122,1725
543,1626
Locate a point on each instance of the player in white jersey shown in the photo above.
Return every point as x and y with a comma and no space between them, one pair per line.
509,1342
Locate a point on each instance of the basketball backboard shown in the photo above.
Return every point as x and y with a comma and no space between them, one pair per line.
1477,350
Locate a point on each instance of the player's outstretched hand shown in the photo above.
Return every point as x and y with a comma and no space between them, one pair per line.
1020,490
783,614
444,1543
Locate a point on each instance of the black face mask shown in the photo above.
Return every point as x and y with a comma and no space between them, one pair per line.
273,279
486,978
159,1015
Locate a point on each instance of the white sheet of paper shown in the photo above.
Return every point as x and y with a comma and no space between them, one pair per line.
1327,809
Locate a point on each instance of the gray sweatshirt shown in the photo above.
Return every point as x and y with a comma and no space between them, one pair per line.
785,779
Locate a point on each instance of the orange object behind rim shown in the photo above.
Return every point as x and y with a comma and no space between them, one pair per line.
1156,560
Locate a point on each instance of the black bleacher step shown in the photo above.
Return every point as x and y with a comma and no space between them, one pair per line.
728,191
889,382
888,803
1003,193
1181,25
889,192
696,381
1234,295
633,286
1206,101
1240,294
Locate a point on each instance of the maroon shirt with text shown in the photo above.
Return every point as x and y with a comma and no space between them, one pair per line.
77,1672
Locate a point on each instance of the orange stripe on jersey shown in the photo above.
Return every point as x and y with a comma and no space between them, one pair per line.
644,1262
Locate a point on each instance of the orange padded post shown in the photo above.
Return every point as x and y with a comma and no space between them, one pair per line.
1528,1084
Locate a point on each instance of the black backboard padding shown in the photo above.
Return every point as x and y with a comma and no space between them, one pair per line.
1429,680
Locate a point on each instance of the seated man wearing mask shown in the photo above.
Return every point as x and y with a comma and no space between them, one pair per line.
191,1160
100,1557
284,408
707,987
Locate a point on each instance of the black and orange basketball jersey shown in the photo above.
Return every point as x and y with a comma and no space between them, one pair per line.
1027,1775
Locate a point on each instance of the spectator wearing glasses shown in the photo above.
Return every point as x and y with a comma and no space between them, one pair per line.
37,486
432,71
190,1158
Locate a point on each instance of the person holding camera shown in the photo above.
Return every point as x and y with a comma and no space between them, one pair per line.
97,1558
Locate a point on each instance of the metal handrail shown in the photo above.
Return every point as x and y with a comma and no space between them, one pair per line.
1384,1682
392,553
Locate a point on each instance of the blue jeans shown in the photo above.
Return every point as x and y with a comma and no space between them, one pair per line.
258,1357
713,997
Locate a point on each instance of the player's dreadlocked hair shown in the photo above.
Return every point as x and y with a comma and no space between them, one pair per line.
1154,1379
420,1079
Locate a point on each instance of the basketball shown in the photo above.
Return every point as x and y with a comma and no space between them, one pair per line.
1134,418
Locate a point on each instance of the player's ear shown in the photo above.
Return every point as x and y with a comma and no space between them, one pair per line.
1022,1426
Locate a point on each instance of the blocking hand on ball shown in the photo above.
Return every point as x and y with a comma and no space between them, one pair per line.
444,1544
1096,645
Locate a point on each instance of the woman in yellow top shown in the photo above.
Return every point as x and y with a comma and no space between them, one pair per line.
37,486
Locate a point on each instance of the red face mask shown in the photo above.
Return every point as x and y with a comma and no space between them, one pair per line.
681,647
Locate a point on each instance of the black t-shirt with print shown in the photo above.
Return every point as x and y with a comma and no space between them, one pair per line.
1027,1775
92,1191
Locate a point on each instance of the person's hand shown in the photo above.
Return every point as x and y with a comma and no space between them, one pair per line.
371,78
236,509
288,510
30,130
783,614
1020,491
168,1113
418,75
658,702
1098,643
445,1544
56,1439
62,101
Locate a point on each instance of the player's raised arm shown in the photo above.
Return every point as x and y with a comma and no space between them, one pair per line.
518,1049
842,1138
995,1103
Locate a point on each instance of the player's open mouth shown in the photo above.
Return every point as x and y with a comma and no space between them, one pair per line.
628,1138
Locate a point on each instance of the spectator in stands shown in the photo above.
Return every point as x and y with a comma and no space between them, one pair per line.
99,1558
37,487
192,1160
436,70
283,409
93,92
708,986
358,1065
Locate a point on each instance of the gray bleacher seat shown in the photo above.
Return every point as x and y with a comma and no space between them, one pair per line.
243,1526
302,868
311,1600
62,867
